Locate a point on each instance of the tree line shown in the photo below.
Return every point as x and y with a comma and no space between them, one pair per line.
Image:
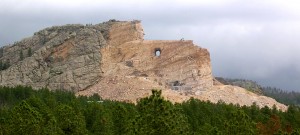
286,97
27,111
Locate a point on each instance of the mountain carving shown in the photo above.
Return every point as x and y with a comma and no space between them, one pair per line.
113,60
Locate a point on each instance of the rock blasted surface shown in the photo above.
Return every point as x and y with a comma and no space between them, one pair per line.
113,60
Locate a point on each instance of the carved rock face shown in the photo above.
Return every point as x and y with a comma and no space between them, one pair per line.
179,61
127,54
113,60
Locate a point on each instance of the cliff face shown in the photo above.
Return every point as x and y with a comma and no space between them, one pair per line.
179,66
113,60
62,57
74,57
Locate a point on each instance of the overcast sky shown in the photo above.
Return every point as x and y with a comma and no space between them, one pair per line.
251,39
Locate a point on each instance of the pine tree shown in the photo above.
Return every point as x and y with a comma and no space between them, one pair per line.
26,120
70,121
21,55
158,117
1,65
99,120
239,124
29,52
4,65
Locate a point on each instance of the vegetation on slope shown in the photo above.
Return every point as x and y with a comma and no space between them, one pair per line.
285,97
246,84
288,98
27,111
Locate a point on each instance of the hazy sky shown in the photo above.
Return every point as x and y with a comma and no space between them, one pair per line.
251,39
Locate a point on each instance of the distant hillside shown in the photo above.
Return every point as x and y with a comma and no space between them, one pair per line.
247,84
285,97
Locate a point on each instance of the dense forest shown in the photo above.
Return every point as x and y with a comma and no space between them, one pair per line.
286,97
35,112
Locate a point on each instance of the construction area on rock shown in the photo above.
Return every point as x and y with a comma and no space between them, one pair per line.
113,59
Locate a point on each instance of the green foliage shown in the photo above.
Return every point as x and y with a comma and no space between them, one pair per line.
158,117
4,65
29,52
70,121
99,119
26,120
1,52
247,84
27,111
208,118
12,96
288,98
50,125
122,114
239,123
4,121
21,55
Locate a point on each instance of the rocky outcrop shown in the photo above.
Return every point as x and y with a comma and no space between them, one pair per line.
246,84
63,57
113,60
238,95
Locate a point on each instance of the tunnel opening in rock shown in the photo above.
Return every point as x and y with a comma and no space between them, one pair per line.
157,52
